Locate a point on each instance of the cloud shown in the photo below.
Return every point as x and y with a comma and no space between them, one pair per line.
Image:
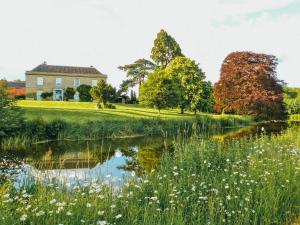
109,33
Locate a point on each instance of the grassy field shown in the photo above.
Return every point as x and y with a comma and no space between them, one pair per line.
247,182
87,111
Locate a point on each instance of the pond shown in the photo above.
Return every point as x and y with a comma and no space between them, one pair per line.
107,160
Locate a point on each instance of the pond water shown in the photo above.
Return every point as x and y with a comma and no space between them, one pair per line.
108,160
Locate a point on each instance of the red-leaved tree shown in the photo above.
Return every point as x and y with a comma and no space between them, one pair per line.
249,86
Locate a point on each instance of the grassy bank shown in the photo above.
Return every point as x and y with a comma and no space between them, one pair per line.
81,112
47,120
244,182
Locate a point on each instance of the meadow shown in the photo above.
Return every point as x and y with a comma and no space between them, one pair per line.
242,182
79,112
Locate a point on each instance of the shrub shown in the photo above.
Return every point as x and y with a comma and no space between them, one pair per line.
55,128
109,106
46,95
69,93
84,93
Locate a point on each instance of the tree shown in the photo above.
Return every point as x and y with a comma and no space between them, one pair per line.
11,117
159,91
138,71
84,93
165,49
69,93
103,93
190,80
249,85
132,97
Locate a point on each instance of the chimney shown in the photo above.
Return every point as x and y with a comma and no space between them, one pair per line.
44,63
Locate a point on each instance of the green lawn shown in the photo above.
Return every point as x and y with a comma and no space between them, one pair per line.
87,111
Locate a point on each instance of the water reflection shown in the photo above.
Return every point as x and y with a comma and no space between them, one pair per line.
73,162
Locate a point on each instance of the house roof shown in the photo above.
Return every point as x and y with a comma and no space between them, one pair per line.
16,84
66,69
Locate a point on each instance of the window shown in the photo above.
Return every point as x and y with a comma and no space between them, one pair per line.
40,81
94,83
58,81
76,82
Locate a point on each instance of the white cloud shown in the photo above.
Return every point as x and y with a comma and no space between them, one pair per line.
109,33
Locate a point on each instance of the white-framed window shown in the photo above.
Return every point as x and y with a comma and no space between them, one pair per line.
76,82
94,83
58,81
39,80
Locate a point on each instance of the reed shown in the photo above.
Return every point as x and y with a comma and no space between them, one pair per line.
241,182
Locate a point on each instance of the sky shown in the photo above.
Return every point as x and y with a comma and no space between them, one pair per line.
110,33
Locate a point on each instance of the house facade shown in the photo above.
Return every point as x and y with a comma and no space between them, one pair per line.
56,79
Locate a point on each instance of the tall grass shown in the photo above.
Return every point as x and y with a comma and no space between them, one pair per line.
246,182
41,130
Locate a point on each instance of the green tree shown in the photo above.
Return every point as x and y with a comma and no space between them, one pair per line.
165,49
84,93
138,71
103,93
190,80
69,93
159,91
11,117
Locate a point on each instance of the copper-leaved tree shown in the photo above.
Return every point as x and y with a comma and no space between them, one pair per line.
249,86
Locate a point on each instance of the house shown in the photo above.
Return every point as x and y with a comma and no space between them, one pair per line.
55,79
16,89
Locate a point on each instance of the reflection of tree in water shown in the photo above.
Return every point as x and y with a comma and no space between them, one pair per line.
146,158
259,129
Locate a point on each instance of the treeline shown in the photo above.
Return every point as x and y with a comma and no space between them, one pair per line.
248,82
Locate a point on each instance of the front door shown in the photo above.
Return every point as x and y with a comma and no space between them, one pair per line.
58,95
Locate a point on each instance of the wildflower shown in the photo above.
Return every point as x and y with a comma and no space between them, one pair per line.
69,213
228,197
113,206
101,222
133,173
100,213
118,216
82,221
52,201
88,205
23,217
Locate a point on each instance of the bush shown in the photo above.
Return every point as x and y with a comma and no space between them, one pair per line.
55,128
69,93
109,106
46,95
11,117
84,93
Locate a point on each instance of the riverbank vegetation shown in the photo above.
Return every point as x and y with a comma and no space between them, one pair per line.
79,121
247,181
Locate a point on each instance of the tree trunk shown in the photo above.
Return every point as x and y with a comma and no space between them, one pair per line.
181,110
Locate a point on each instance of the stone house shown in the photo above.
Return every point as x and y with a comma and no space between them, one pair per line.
55,79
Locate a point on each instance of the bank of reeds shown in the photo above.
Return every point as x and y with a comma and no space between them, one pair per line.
242,182
40,130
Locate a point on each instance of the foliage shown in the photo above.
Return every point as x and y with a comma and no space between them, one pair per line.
159,91
84,93
194,91
249,85
16,93
243,182
133,99
103,93
11,117
165,49
292,100
46,95
69,93
138,71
